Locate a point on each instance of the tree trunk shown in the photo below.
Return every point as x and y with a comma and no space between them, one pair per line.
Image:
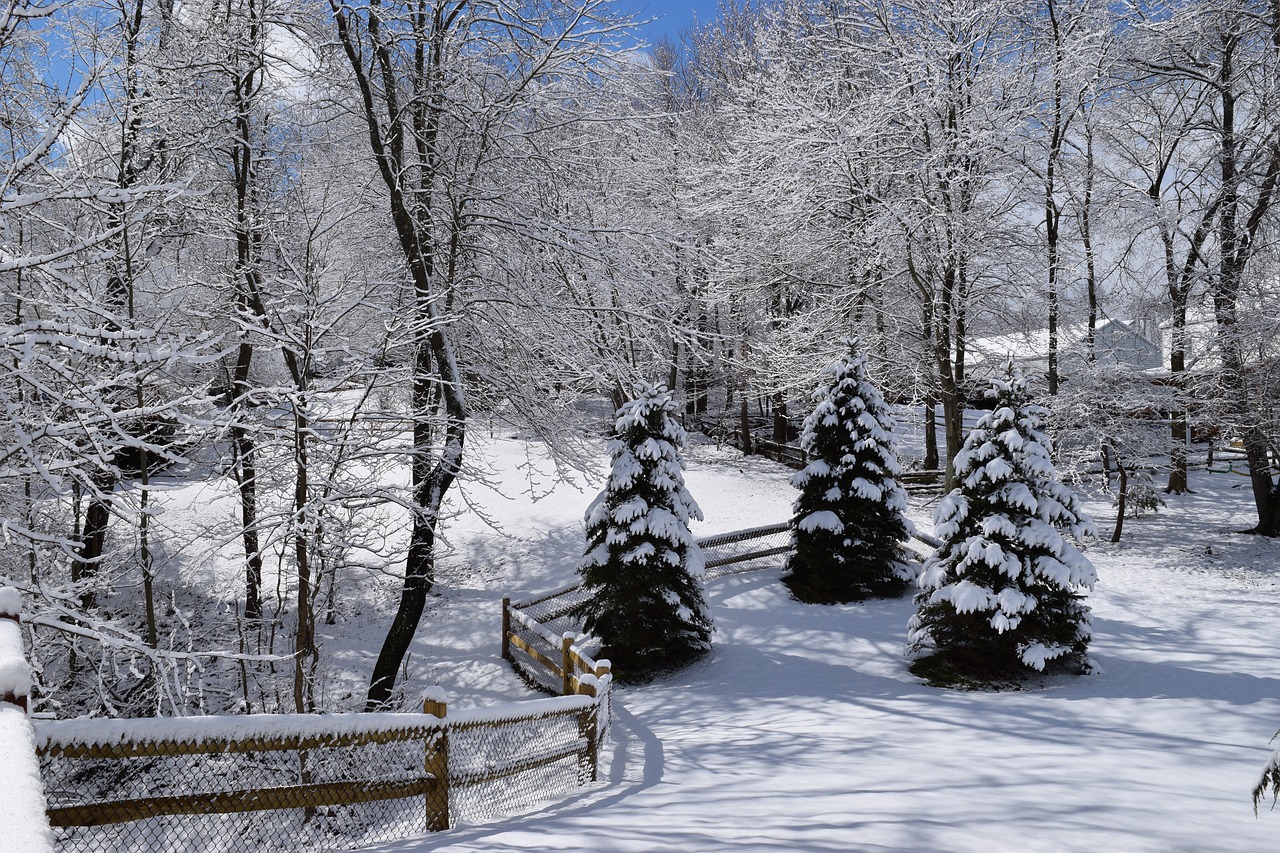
781,428
931,434
1121,500
1086,242
93,538
1237,231
1179,482
304,649
953,424
429,492
246,474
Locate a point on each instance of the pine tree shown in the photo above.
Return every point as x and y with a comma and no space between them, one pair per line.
849,520
1003,595
642,567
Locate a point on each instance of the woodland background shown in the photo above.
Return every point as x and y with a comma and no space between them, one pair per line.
271,262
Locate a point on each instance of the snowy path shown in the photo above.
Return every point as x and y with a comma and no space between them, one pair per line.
804,732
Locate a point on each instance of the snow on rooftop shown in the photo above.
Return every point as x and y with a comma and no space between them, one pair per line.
1115,341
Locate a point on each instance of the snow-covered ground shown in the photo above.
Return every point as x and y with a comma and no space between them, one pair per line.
803,731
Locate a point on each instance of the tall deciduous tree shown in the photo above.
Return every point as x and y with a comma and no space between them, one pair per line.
453,94
1207,74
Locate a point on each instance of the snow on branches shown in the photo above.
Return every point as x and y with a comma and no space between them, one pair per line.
849,520
1004,591
642,566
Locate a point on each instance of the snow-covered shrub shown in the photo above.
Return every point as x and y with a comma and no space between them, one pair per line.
848,522
642,566
1004,592
1142,497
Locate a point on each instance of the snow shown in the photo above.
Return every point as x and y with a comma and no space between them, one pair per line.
107,731
822,520
22,805
15,673
10,601
803,731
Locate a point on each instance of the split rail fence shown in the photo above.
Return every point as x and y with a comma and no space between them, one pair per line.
308,782
927,480
336,782
283,782
545,643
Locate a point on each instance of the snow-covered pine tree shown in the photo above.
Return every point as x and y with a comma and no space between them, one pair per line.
642,568
848,522
1003,595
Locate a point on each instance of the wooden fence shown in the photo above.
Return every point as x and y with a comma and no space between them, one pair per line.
328,782
792,456
287,781
131,752
546,646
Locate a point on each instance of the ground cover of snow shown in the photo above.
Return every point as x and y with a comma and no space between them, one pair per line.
803,731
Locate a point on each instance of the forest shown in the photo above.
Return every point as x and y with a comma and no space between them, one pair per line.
296,253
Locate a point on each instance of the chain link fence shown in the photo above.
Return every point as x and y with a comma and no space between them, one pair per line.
745,550
503,763
298,782
311,789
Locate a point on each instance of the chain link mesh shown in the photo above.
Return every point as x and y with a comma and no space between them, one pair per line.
509,766
125,799
745,550
536,672
321,791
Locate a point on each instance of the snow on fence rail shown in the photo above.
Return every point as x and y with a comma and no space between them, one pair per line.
282,781
546,646
22,804
314,782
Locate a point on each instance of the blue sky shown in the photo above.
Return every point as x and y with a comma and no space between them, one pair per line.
673,16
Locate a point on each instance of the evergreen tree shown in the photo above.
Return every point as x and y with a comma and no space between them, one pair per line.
642,567
849,520
1003,593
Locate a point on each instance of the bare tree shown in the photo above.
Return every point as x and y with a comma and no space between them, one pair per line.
449,91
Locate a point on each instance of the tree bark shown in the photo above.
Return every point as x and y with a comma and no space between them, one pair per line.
1121,500
404,143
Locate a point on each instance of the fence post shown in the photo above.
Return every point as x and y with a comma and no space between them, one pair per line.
437,764
506,627
566,665
589,759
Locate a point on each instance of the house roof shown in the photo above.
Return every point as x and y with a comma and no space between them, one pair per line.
1116,341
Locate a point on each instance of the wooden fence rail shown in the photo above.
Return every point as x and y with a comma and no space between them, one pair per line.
144,743
529,627
470,748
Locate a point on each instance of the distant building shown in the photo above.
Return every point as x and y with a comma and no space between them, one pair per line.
1116,342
